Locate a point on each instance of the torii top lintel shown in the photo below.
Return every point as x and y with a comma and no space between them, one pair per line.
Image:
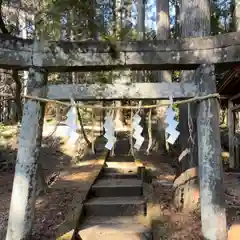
185,53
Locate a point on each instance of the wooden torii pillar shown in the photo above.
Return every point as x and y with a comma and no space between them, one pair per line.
22,205
206,146
212,200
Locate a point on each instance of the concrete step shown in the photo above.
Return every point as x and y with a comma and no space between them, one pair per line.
120,167
115,206
99,234
114,227
132,170
120,164
122,158
117,188
112,175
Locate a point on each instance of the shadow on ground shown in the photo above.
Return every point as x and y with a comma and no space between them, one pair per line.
57,208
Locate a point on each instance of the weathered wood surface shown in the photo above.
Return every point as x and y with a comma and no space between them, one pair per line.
186,53
213,213
22,205
121,91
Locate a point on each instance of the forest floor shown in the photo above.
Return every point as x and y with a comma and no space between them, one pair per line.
167,222
58,209
71,184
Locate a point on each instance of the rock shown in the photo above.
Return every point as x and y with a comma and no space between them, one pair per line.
186,193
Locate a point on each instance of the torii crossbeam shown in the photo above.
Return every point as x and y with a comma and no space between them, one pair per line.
172,54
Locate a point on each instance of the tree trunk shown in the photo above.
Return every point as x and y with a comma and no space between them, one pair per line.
231,132
123,76
177,19
22,25
194,22
237,15
116,31
18,90
141,19
163,33
119,117
139,76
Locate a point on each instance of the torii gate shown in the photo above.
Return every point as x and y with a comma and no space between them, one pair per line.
190,53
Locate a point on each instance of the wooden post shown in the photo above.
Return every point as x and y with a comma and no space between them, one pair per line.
213,215
22,205
231,134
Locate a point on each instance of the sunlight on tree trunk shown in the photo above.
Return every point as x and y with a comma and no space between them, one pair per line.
237,15
163,33
195,22
122,76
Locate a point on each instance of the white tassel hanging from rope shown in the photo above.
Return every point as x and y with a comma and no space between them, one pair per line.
149,131
114,134
93,125
172,123
131,151
109,131
137,129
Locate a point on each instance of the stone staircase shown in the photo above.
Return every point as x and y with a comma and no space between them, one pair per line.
115,203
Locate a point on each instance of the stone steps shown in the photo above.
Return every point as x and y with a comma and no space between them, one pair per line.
115,202
117,187
120,170
120,165
117,175
114,228
98,234
114,206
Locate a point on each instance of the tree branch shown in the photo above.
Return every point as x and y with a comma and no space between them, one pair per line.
82,128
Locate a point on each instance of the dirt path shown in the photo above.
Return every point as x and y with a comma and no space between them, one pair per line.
64,198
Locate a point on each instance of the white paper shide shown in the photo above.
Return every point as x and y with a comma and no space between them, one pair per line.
73,125
109,132
172,124
137,130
